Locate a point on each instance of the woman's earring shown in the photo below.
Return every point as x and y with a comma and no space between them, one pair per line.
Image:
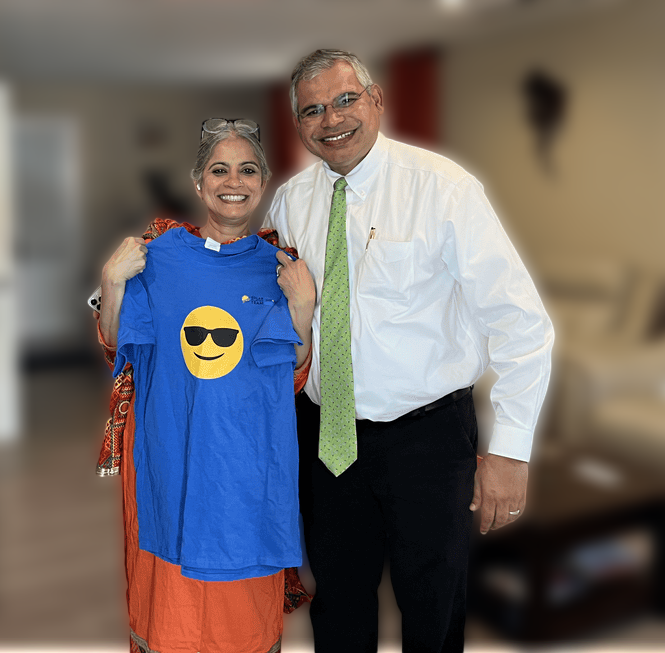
198,186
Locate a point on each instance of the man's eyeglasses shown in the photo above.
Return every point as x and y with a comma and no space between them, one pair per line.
218,125
340,104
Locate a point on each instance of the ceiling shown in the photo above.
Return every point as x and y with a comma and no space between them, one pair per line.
227,40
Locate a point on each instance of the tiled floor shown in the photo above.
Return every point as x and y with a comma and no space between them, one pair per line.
61,568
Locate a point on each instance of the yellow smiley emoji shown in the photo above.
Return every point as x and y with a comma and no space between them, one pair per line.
211,342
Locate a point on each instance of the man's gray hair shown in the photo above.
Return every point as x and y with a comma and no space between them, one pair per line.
209,143
314,64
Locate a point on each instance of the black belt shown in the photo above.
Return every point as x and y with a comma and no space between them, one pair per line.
448,399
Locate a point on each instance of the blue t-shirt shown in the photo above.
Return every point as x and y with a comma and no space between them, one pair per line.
211,340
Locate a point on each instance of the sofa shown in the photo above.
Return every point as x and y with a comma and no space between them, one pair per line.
608,379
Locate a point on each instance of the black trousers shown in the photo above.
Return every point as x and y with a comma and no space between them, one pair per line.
409,490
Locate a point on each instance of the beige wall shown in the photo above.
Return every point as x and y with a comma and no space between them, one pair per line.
607,197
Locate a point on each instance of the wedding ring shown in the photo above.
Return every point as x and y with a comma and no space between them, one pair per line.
279,268
513,512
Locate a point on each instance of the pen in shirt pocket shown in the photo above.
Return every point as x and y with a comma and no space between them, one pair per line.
372,234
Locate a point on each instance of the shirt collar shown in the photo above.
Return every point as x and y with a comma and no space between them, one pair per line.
360,178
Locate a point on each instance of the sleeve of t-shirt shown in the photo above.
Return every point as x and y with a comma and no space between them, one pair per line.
136,327
276,336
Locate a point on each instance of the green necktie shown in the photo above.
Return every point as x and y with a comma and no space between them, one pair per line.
337,441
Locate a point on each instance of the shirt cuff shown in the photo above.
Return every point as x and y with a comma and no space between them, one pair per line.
511,442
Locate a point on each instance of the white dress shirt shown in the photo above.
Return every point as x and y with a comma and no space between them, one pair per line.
438,293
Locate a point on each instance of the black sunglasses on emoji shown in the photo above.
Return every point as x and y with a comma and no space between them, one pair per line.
222,337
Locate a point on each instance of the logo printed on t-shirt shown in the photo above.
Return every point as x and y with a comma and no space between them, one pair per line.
256,300
211,342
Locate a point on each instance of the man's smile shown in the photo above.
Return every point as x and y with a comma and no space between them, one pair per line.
338,137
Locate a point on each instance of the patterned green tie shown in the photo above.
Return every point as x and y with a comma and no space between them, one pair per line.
337,441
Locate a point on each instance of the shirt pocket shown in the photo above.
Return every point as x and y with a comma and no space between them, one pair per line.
386,271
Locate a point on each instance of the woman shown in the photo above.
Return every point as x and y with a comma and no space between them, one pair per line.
209,449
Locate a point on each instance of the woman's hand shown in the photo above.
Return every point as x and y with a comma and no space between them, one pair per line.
127,261
296,282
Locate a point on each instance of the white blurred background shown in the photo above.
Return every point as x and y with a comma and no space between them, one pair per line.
557,106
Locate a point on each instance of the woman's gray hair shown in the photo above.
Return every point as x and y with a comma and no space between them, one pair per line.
209,143
314,64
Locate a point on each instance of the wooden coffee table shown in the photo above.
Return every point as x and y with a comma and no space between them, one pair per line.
586,553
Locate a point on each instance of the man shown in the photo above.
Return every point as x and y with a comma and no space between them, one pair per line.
436,293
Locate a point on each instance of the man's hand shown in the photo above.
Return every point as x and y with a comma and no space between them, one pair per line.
499,489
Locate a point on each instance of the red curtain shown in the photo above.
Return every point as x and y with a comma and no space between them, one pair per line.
284,143
414,98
